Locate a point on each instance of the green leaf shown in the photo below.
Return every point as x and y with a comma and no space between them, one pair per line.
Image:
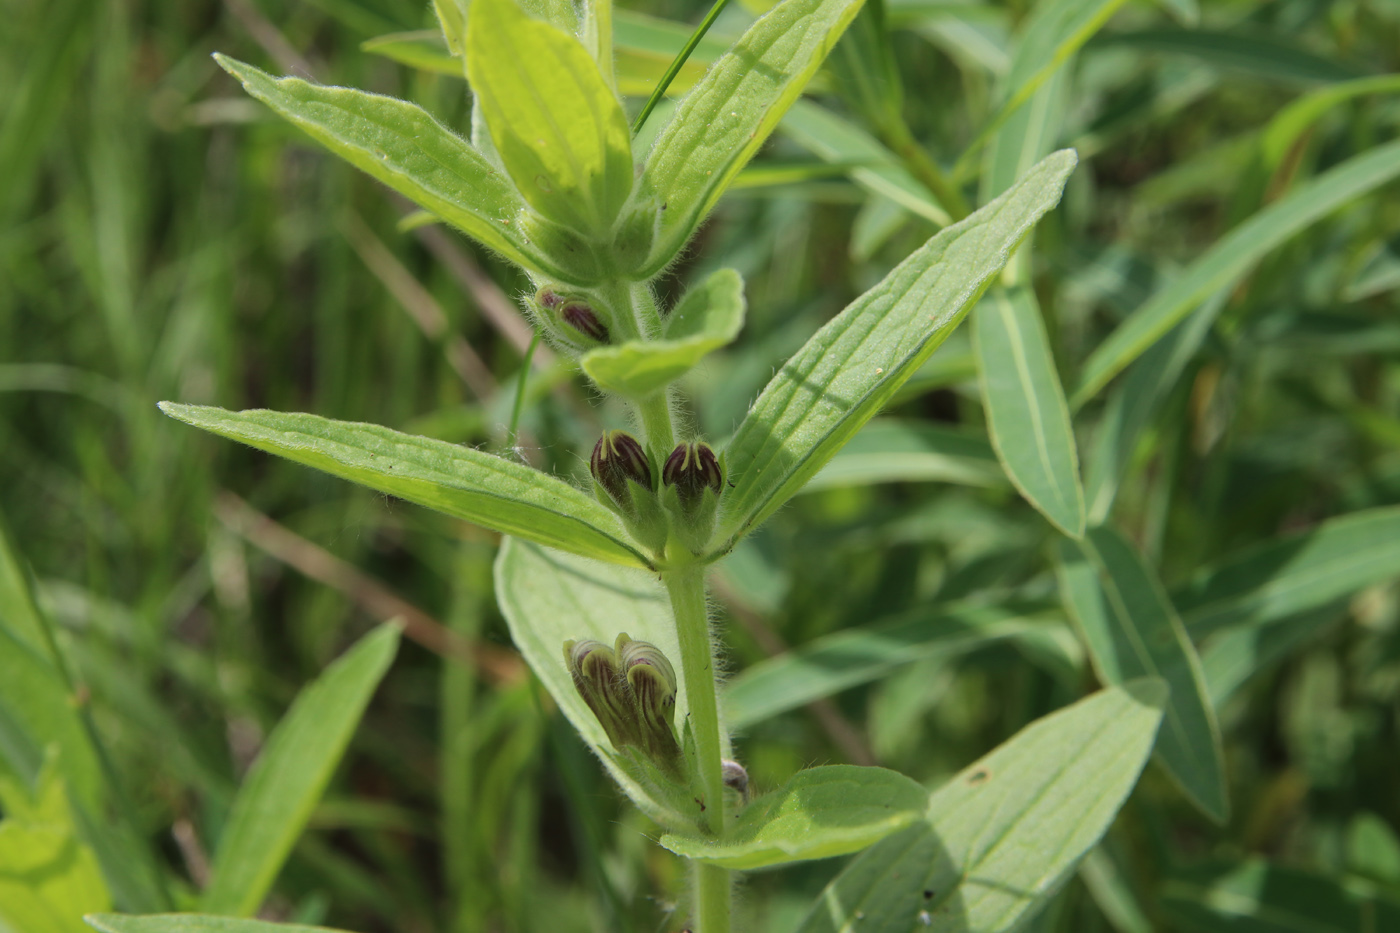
1132,630
1258,897
462,482
1137,400
1282,577
860,655
1003,835
38,708
403,146
892,451
1225,263
707,318
837,141
192,923
821,812
559,128
290,775
48,878
423,49
851,368
1234,656
1260,55
1290,123
1112,893
1026,411
548,598
1053,32
721,123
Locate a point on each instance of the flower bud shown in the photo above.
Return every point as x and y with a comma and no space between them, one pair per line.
617,458
631,689
581,318
691,469
598,680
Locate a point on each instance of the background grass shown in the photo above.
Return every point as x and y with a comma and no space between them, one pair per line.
164,237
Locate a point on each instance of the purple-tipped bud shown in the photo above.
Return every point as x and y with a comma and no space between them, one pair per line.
548,299
600,682
691,469
652,681
581,318
617,458
632,691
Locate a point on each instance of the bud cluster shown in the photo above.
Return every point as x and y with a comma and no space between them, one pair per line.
692,480
631,688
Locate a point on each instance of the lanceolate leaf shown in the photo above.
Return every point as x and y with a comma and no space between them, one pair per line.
1230,258
192,923
836,140
549,598
559,128
407,149
481,488
821,812
1002,836
842,377
1286,576
888,450
1258,897
1132,630
291,773
1026,410
859,655
729,114
708,317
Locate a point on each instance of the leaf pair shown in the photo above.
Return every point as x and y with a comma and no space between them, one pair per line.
816,403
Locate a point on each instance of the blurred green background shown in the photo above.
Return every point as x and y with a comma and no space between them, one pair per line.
162,236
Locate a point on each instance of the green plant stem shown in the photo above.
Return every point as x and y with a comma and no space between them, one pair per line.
712,899
930,175
656,423
686,585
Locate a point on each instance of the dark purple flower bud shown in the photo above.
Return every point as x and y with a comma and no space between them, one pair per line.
691,469
618,457
581,318
548,299
652,681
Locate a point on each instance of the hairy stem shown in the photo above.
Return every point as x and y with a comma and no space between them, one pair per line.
656,424
686,584
712,902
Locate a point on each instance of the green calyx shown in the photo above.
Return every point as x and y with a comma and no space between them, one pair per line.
692,481
624,481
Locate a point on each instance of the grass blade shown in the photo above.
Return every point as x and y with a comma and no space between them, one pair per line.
729,114
290,775
860,655
1230,259
892,451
